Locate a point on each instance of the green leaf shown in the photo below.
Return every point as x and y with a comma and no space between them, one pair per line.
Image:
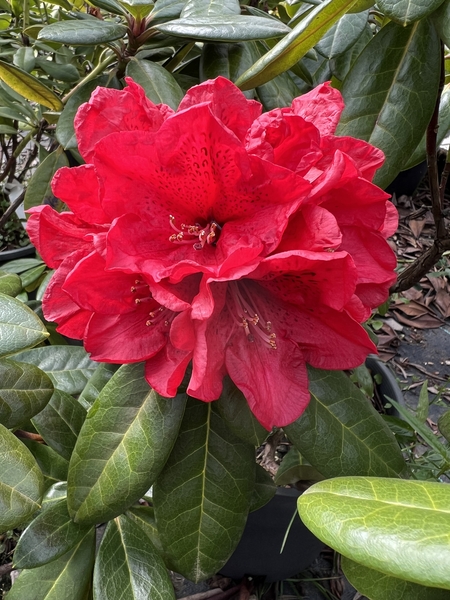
24,391
264,489
138,8
340,433
441,20
424,403
406,12
390,93
51,534
228,60
144,516
110,6
10,283
21,264
39,189
21,482
236,28
123,445
209,8
294,468
159,85
202,496
86,32
69,367
444,425
24,58
343,35
296,44
398,527
32,275
167,9
56,492
69,576
20,327
60,423
28,86
96,383
129,566
53,466
420,153
236,413
65,132
379,586
67,73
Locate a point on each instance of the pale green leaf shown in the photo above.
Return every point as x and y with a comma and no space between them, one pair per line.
21,482
20,327
398,527
28,86
10,283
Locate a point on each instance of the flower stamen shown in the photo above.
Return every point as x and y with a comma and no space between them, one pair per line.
254,326
186,234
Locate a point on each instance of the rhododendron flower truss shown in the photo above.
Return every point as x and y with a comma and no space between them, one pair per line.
247,244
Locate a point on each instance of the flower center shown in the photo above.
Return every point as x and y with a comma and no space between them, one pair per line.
142,295
188,234
246,316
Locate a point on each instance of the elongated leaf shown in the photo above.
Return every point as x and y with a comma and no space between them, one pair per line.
208,8
441,20
202,496
264,489
379,586
66,577
228,60
53,466
28,86
51,534
159,85
390,93
21,264
237,28
60,423
24,391
39,189
144,516
96,383
129,566
342,35
87,32
67,73
296,44
444,425
20,327
398,527
123,445
10,283
236,413
69,367
167,9
56,492
406,12
21,482
340,433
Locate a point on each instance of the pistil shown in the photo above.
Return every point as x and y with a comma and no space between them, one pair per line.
186,234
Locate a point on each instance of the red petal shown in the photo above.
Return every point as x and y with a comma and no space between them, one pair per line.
110,110
322,106
367,158
226,102
78,187
165,371
311,228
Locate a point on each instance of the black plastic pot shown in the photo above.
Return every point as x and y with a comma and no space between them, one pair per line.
388,387
23,252
258,552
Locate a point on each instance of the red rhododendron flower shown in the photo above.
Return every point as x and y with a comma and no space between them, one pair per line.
247,244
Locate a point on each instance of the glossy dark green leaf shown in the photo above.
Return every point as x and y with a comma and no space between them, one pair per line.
31,276
378,586
60,423
67,577
167,9
398,527
441,20
110,6
236,413
144,516
202,496
20,327
65,132
208,8
129,566
56,492
406,12
340,433
24,58
51,534
96,383
67,73
24,391
159,85
123,445
420,153
296,44
53,466
21,482
228,60
28,86
264,489
69,367
39,189
10,283
21,264
341,37
86,32
236,28
390,93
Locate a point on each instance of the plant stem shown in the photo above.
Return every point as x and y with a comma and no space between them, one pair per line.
92,75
